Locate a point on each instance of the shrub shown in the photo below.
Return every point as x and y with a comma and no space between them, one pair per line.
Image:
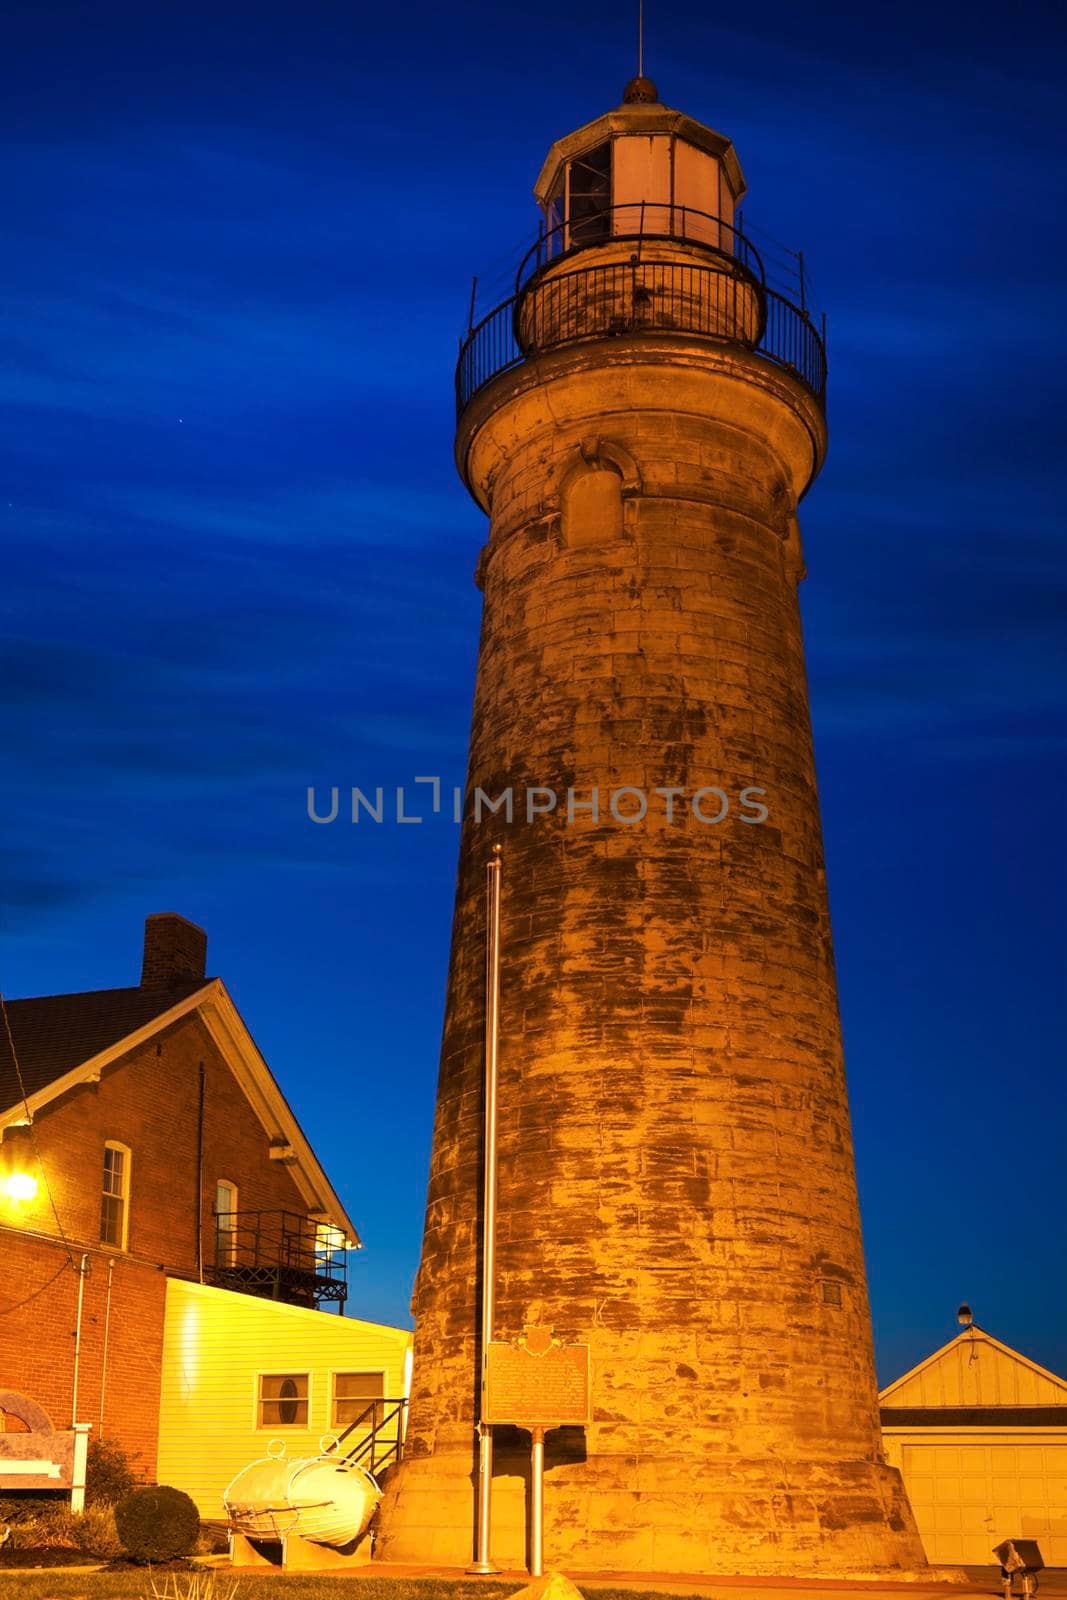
55,1527
94,1532
157,1523
108,1473
48,1527
25,1507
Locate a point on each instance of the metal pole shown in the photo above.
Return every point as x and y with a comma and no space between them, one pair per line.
537,1503
83,1272
107,1331
483,1563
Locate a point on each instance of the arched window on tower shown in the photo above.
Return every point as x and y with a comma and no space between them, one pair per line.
592,506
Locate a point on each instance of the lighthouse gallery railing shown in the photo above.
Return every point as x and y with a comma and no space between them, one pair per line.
611,301
723,297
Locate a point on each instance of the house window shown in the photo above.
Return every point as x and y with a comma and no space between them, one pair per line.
353,1393
283,1400
225,1223
115,1198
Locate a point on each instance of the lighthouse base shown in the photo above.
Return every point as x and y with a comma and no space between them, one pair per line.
616,1513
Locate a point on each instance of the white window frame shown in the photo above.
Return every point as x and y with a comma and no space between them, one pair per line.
127,1173
348,1372
257,1402
231,1230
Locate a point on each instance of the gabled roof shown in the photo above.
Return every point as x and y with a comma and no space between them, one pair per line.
975,1370
69,1039
56,1032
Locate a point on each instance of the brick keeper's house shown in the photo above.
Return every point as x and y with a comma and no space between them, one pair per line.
168,1240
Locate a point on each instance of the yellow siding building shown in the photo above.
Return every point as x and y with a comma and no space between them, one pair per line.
979,1433
240,1372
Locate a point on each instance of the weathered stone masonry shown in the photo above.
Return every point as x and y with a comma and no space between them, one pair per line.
676,1173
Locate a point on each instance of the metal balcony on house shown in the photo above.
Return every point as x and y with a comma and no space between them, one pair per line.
279,1255
710,282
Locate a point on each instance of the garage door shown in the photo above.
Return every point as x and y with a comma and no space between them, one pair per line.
967,1498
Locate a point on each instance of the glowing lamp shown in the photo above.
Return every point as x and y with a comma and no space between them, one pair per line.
20,1186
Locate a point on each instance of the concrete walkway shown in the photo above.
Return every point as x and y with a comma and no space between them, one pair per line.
981,1583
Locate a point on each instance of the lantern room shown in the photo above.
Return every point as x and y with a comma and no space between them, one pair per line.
640,170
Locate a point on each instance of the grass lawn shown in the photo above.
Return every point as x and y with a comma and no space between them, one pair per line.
56,1584
59,1585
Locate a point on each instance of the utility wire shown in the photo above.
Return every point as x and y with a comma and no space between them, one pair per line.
74,1267
17,1305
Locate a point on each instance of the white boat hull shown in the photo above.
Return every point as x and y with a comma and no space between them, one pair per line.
321,1498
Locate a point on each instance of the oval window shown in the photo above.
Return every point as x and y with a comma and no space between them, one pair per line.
288,1398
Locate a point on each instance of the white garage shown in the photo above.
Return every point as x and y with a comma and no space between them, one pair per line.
979,1433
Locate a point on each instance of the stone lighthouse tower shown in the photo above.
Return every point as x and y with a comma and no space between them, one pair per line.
676,1186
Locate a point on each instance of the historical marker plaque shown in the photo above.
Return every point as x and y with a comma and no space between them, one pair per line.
537,1384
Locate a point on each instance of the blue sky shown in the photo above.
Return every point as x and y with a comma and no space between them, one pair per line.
238,243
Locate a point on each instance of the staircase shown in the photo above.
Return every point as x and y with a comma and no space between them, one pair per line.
375,1440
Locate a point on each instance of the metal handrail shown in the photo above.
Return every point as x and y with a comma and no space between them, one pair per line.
382,1452
596,307
685,223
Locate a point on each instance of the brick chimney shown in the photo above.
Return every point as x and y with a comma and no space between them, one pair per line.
175,951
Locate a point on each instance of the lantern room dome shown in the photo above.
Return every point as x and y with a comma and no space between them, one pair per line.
640,91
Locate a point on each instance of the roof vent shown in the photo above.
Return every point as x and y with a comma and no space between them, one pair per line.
175,951
640,92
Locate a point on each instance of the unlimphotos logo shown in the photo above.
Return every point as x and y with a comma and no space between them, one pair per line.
627,805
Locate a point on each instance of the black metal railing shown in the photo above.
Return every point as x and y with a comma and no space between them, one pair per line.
280,1255
641,222
623,297
719,302
791,339
375,1439
722,292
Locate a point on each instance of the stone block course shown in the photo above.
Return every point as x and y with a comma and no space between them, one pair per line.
676,1175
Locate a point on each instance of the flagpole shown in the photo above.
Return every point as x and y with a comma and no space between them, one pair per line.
483,1563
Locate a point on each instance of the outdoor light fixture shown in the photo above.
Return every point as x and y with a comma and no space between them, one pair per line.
20,1186
965,1316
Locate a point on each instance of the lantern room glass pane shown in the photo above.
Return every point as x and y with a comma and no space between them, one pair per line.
590,195
554,218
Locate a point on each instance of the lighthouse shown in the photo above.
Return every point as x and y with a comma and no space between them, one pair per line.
675,1189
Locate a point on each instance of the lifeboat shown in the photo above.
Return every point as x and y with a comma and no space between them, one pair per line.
323,1498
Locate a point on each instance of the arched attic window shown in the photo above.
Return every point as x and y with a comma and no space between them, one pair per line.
115,1195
